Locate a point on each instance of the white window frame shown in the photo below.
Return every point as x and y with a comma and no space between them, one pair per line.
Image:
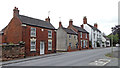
86,35
49,46
81,43
86,43
75,37
50,34
32,40
33,32
81,35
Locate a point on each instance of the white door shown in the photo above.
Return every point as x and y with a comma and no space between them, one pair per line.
42,48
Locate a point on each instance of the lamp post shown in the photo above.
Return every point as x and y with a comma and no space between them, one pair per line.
112,40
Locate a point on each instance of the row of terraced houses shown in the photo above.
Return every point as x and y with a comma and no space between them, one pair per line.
41,37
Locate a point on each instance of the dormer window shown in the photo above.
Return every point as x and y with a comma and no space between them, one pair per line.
33,32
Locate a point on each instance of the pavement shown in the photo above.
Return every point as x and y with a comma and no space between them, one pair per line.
93,57
30,58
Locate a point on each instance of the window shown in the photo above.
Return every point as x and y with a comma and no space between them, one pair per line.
49,34
99,36
84,44
33,45
75,37
77,45
94,35
69,36
86,35
81,43
70,45
49,44
81,34
33,32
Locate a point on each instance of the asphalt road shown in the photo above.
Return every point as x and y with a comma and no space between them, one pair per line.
77,58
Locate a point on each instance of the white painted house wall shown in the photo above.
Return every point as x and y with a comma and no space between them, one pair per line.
103,41
108,45
91,35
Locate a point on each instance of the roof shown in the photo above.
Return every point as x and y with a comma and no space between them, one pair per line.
80,29
94,28
69,31
1,32
106,37
35,22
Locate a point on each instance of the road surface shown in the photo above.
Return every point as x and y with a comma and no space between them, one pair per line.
90,57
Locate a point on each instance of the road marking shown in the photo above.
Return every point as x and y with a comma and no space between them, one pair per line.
100,62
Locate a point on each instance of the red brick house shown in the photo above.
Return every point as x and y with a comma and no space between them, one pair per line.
39,36
83,35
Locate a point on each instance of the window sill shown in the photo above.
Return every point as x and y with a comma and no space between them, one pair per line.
32,50
49,50
49,37
32,36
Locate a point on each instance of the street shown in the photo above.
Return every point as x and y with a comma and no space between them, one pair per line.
76,58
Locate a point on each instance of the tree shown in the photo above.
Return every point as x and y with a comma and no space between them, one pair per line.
115,38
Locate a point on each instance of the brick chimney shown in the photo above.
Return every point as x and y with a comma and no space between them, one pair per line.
85,20
60,24
70,22
95,25
47,19
15,12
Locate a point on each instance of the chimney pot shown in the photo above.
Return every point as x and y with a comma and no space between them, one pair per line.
70,22
60,24
47,19
15,12
84,20
95,25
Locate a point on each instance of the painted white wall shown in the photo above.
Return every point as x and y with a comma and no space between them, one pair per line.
108,45
90,30
103,41
91,35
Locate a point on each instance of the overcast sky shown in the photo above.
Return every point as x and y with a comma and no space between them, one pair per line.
103,12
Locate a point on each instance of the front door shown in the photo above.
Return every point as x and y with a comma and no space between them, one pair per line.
42,48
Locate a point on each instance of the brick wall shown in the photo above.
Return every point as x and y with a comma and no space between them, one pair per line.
79,39
13,31
40,36
12,51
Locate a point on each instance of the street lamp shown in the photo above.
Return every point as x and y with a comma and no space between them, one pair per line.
112,40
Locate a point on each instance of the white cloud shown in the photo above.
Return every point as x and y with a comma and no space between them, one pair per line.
104,12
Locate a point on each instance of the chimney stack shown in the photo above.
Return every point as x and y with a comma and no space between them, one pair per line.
95,25
60,24
15,12
70,22
47,19
85,20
